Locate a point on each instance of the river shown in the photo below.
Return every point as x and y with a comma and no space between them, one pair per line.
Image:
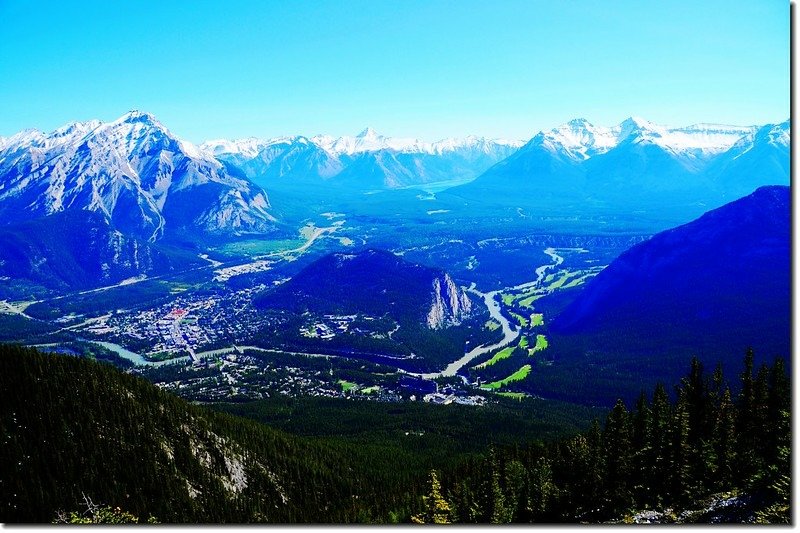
510,333
135,358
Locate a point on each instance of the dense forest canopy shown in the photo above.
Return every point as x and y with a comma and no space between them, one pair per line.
73,428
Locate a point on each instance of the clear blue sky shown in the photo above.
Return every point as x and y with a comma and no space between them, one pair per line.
421,68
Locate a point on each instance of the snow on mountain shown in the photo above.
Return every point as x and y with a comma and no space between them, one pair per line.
364,162
248,147
371,141
759,158
635,166
776,135
580,140
134,171
367,140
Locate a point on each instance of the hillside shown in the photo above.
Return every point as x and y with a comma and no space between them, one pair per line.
709,288
71,427
73,250
373,282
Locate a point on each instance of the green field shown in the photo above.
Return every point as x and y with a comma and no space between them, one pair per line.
541,343
537,319
492,325
523,322
508,299
505,353
523,342
579,281
519,375
259,246
514,395
528,302
565,276
347,385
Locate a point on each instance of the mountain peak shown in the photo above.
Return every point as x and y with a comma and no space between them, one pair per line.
368,133
135,115
637,123
579,123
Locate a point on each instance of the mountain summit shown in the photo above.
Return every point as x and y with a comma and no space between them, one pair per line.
133,171
634,167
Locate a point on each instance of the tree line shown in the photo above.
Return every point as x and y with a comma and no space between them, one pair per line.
667,452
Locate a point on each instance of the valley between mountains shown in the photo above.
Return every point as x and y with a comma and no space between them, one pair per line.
377,286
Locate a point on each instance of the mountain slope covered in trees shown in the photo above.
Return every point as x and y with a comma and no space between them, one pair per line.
725,456
709,288
71,427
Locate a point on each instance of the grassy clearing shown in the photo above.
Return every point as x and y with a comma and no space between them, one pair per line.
528,302
523,342
508,299
541,343
523,322
492,325
505,353
519,375
537,319
579,281
565,277
259,246
179,287
370,390
347,385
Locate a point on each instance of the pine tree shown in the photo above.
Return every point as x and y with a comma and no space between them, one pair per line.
643,456
680,456
542,488
437,510
724,441
661,420
618,454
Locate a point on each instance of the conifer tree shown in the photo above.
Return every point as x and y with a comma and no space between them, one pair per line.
618,454
724,440
437,510
680,460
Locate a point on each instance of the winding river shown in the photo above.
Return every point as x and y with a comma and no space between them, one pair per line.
510,332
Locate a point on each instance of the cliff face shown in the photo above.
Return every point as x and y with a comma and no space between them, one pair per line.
450,304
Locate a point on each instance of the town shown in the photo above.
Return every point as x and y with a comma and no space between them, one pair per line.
245,374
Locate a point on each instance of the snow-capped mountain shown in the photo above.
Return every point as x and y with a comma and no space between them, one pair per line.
371,141
279,161
632,166
143,179
760,157
580,140
364,162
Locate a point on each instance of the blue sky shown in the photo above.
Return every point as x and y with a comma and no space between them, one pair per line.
417,68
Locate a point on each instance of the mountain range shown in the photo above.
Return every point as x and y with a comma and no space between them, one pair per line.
368,161
144,180
156,194
633,167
